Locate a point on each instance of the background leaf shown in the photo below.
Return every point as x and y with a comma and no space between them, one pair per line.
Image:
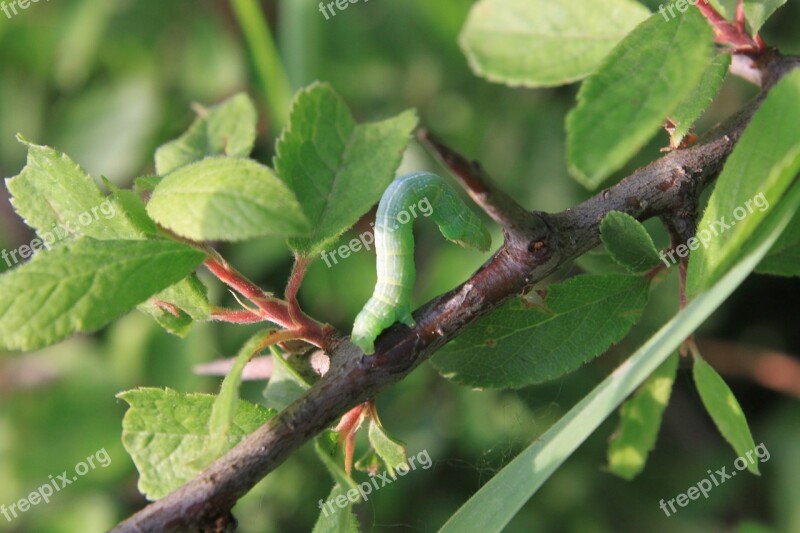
228,128
520,344
765,162
628,242
228,199
784,258
81,286
724,409
641,82
165,432
337,169
640,420
539,43
758,11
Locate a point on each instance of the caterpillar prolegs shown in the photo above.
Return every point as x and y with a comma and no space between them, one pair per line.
394,246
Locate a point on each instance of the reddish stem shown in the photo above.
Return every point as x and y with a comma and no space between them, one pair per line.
733,33
295,280
236,316
271,309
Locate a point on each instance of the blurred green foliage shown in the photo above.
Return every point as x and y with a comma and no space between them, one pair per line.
108,82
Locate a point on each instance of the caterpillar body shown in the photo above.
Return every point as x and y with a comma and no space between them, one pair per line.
394,246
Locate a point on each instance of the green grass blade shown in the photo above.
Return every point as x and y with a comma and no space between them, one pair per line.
266,61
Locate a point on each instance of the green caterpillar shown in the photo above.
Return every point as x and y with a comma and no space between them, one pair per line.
394,246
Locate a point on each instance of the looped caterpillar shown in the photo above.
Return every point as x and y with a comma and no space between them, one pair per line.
394,246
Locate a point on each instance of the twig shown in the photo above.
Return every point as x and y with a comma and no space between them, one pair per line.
496,203
528,255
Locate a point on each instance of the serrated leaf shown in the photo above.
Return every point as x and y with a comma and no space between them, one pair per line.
337,169
541,43
701,97
520,344
761,168
57,198
784,257
165,432
724,409
758,11
640,420
644,79
628,242
285,385
391,451
83,285
226,199
226,129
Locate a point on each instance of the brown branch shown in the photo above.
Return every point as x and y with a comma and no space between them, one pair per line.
533,250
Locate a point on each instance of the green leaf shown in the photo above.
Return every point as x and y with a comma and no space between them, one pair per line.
698,101
784,258
496,503
642,81
520,344
190,296
340,520
640,420
756,175
133,209
724,409
165,432
83,285
60,201
758,11
540,43
226,129
224,409
227,199
285,385
337,169
391,451
628,242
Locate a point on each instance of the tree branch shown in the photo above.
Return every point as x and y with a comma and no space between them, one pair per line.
537,247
